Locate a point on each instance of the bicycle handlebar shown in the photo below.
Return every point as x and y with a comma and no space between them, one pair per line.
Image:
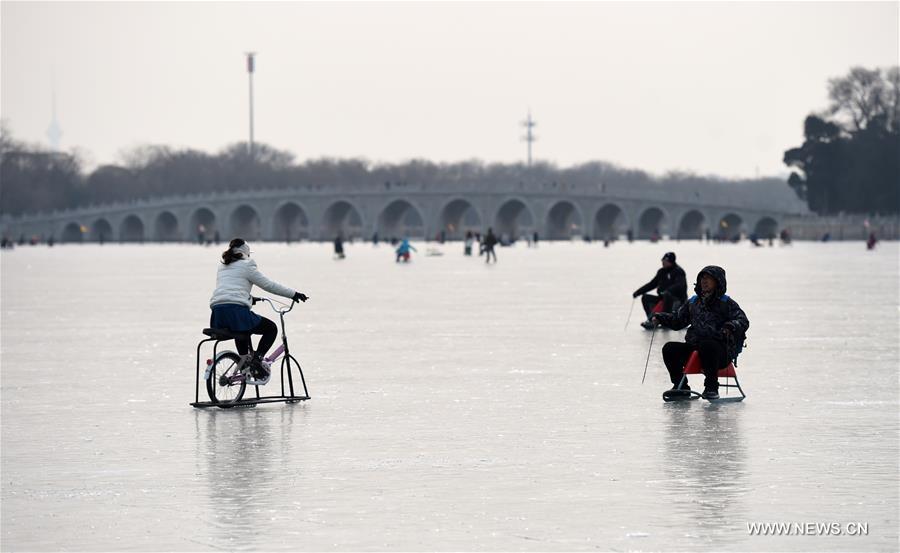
283,309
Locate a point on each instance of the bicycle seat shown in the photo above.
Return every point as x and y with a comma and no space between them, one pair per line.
224,334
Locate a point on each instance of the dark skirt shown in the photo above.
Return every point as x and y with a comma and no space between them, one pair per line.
233,317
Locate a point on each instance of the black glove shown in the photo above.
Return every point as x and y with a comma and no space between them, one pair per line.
636,294
728,328
300,296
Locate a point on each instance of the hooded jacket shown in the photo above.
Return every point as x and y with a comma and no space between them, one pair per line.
708,317
671,280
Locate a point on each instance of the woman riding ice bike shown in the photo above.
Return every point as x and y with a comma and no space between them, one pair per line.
231,318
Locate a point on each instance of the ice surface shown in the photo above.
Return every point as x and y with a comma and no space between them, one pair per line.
454,406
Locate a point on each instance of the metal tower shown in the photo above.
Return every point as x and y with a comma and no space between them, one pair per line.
529,136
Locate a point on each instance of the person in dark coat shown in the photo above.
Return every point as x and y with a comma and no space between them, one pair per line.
870,243
717,329
671,285
339,247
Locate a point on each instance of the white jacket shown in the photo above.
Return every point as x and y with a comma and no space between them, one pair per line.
234,281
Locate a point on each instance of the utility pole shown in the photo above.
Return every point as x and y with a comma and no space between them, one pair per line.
250,56
529,136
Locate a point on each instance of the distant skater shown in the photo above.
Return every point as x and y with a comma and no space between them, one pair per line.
671,285
403,251
490,240
339,247
870,243
467,245
785,236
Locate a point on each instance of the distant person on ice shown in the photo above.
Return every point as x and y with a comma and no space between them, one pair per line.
231,301
671,285
718,326
490,240
403,251
470,240
339,247
870,243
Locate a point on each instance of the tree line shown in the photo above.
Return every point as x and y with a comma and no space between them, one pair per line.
35,179
850,158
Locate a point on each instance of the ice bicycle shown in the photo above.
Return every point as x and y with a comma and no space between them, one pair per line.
227,373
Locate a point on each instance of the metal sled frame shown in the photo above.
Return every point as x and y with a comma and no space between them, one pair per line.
727,373
286,362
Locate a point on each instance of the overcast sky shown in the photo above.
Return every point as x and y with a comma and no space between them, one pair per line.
715,88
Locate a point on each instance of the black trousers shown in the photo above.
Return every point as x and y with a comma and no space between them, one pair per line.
269,332
489,251
649,301
712,358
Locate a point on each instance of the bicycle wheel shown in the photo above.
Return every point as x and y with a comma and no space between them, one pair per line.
225,385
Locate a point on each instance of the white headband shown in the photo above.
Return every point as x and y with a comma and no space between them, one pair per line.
243,249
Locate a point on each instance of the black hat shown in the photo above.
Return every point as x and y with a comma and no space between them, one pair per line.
670,257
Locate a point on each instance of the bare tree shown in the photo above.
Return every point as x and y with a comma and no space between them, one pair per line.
861,96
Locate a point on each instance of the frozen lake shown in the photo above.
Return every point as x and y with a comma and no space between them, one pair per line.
454,406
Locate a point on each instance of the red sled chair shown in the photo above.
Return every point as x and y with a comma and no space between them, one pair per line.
693,367
660,305
659,308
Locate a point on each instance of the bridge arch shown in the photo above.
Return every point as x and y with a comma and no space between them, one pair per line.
692,225
72,234
564,221
610,222
402,219
652,220
131,229
341,217
290,222
766,227
100,231
203,224
730,226
245,223
459,216
514,218
166,227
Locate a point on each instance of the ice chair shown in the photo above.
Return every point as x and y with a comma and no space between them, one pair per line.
658,308
693,367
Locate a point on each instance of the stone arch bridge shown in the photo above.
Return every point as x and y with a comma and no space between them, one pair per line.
555,211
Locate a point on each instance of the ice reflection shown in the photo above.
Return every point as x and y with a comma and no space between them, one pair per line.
705,461
243,454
